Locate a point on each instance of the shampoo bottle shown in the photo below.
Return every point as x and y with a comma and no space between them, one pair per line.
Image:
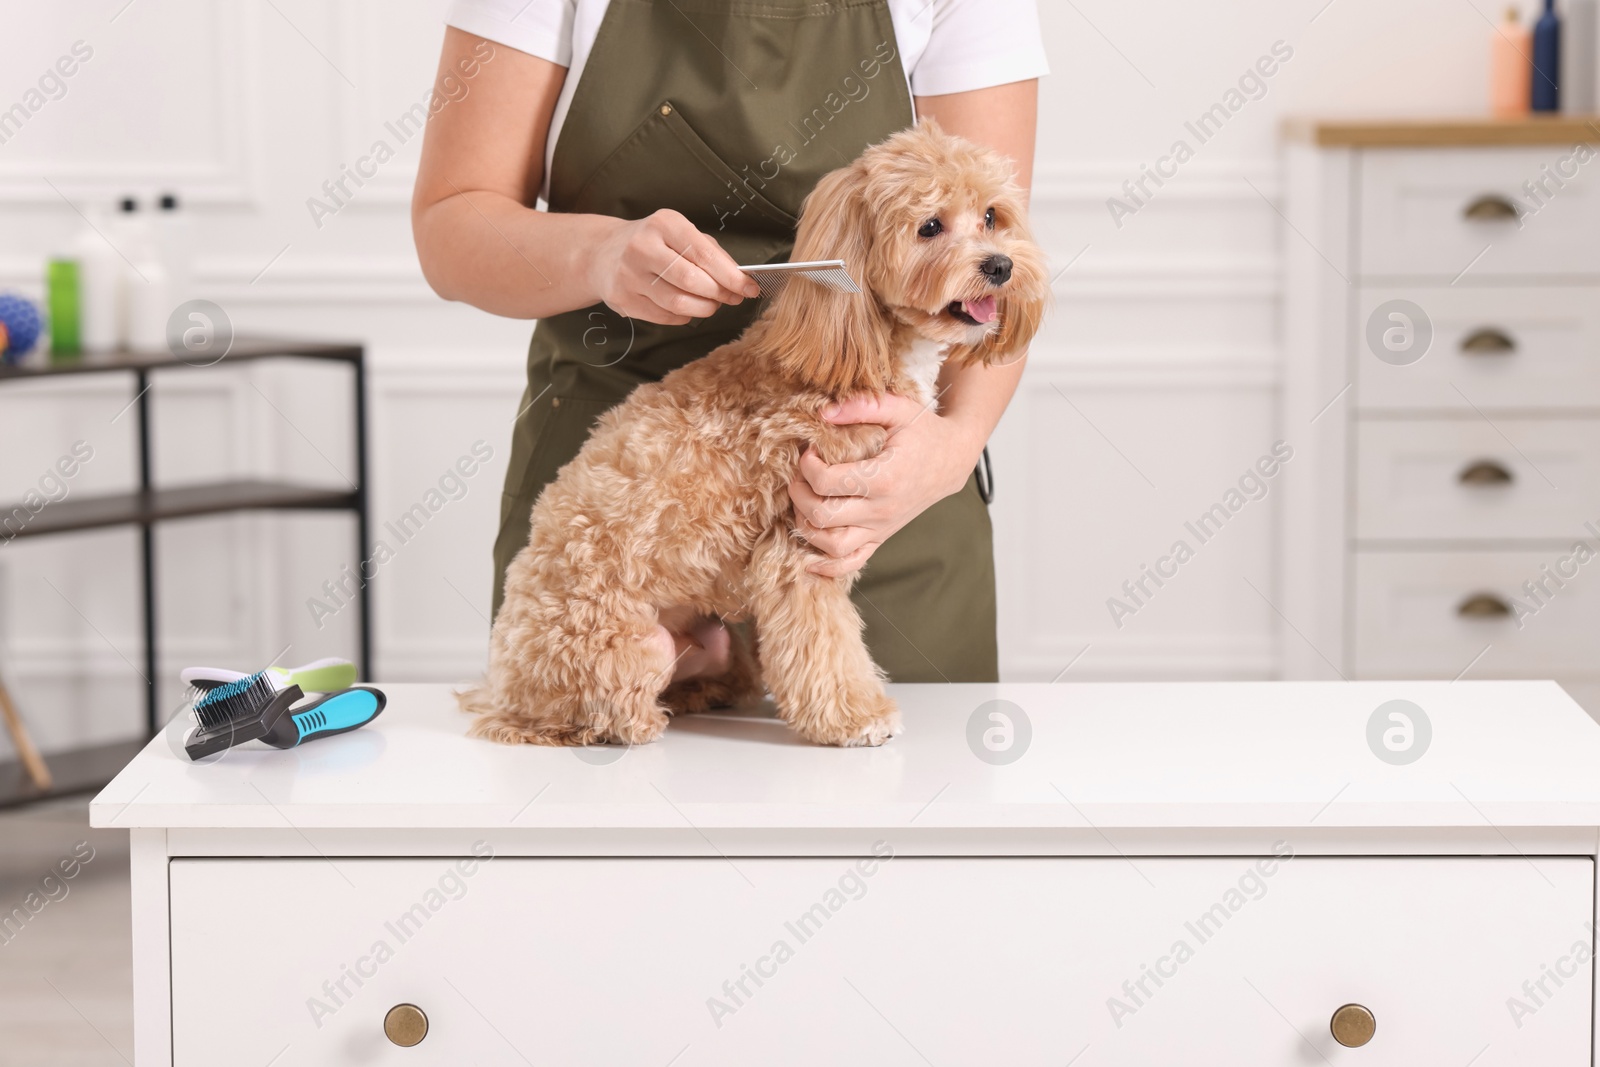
1546,92
1510,72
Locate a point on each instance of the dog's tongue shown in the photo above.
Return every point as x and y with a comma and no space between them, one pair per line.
981,310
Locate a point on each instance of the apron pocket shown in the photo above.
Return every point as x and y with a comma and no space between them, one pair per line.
687,177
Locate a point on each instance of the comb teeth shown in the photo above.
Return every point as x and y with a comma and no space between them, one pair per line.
831,275
234,701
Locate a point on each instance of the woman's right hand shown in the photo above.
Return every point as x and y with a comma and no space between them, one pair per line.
663,270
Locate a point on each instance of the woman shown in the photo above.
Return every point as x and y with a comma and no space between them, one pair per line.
673,140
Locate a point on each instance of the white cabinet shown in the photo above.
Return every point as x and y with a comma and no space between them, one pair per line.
1442,390
1206,874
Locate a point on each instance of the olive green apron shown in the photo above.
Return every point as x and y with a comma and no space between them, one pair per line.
730,111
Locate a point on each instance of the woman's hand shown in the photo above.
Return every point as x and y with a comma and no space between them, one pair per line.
847,510
661,269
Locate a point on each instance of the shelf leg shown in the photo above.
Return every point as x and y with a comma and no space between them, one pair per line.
22,741
362,499
147,550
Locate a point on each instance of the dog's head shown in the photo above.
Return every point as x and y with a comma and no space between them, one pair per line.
935,230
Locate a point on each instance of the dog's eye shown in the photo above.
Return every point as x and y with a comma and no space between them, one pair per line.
988,218
931,228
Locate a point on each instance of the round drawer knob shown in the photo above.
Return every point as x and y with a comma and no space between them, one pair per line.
1353,1025
406,1025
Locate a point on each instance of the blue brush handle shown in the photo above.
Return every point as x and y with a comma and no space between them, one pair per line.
335,713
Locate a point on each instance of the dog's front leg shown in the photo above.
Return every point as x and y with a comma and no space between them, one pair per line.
811,652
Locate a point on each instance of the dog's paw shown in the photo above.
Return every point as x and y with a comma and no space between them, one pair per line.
639,731
864,723
876,731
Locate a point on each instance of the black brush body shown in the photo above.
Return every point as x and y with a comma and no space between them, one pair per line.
254,709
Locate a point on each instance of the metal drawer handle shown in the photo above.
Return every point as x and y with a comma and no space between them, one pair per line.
1353,1025
1483,606
1488,341
405,1025
1485,472
1491,207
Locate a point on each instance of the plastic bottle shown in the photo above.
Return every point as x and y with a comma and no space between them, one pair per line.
1546,92
149,308
61,300
175,247
100,284
1580,39
1510,72
146,285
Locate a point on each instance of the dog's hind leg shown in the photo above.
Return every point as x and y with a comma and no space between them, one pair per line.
595,677
812,655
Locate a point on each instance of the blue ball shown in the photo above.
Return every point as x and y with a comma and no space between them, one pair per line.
21,319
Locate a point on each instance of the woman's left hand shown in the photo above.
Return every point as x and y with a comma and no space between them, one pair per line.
846,510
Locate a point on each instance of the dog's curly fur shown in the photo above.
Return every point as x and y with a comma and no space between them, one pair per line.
678,506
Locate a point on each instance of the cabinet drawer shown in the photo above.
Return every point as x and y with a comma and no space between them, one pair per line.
1499,347
1418,214
1430,614
1465,479
805,961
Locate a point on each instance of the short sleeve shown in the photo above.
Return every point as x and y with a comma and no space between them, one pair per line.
540,28
977,44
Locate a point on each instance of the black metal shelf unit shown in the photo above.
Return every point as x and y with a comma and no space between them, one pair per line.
88,768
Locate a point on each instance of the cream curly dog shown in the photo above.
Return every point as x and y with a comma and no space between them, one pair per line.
679,504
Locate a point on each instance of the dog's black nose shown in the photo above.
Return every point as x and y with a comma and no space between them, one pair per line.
997,269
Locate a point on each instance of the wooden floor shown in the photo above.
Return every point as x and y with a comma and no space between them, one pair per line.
66,986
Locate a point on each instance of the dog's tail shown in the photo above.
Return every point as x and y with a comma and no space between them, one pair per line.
475,699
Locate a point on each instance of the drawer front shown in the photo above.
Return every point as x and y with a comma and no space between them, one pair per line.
788,962
1431,614
1440,211
1501,348
1466,479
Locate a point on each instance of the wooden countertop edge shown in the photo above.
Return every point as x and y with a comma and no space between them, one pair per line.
1461,132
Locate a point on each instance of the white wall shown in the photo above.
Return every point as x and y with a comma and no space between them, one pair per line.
1150,392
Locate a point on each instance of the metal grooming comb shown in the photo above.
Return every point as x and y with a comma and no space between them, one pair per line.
828,273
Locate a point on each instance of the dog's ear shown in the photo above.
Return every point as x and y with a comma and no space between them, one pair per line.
836,342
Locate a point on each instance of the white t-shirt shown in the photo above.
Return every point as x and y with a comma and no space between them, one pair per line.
946,46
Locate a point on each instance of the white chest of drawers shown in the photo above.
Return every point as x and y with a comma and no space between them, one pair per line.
1442,392
1198,874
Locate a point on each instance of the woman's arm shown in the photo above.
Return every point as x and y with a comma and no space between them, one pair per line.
480,240
847,510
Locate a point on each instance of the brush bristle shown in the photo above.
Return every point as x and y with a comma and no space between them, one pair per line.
234,701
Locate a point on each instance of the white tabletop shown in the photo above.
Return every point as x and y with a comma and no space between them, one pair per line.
1169,756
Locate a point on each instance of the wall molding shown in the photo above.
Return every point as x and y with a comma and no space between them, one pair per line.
1153,369
1122,656
1175,276
1200,180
